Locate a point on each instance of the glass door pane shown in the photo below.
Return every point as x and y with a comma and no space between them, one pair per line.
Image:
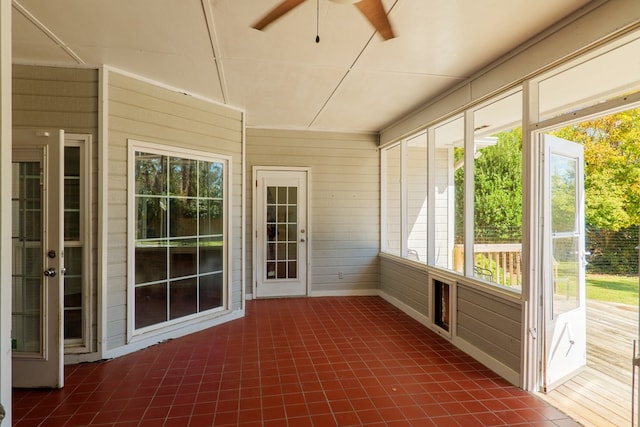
282,233
26,201
564,237
73,248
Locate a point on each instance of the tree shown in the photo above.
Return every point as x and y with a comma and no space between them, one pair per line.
497,190
612,168
612,187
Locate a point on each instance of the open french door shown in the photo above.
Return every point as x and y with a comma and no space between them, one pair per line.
280,228
564,296
37,242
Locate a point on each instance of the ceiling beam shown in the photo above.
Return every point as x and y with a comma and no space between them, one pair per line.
215,48
47,32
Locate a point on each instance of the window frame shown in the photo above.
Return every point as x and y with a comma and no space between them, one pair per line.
86,343
468,210
134,146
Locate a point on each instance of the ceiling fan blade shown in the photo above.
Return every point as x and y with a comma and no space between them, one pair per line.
374,11
275,13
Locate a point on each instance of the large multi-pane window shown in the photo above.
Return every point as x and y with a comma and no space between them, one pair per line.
179,235
453,194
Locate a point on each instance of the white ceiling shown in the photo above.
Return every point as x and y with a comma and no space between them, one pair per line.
351,81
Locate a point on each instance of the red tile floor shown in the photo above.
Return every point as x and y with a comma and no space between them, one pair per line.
321,362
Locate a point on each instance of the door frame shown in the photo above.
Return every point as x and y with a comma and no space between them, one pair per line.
254,225
532,329
76,352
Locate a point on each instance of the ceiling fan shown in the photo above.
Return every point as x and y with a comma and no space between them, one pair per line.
373,10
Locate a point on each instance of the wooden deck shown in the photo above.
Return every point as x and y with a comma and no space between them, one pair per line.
601,394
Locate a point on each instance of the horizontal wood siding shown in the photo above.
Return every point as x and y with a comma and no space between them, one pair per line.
344,202
63,98
405,283
53,97
491,324
142,111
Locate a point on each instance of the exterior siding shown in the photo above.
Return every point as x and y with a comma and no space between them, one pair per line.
52,97
344,194
490,324
142,111
63,98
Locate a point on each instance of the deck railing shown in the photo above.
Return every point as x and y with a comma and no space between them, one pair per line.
499,263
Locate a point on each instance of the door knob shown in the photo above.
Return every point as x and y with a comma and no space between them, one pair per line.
50,272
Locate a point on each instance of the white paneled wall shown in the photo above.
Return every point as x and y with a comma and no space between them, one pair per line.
344,195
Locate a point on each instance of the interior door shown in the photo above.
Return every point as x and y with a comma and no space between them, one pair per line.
37,195
281,233
564,269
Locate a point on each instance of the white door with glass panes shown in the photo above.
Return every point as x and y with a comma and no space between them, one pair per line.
38,267
280,231
564,305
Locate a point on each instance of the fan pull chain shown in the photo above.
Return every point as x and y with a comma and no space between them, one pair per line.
317,21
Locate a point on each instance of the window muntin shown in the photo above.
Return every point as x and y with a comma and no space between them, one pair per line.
180,239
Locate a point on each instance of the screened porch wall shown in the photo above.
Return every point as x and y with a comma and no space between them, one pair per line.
486,325
344,197
145,112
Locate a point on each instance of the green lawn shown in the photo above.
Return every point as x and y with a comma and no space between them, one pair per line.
622,289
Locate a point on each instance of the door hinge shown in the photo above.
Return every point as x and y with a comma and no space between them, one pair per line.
256,183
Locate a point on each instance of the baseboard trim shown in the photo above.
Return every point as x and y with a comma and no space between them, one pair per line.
408,310
347,293
173,334
496,366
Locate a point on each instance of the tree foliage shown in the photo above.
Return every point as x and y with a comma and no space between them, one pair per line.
612,168
612,189
497,190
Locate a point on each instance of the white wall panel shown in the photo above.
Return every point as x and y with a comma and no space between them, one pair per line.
344,194
143,111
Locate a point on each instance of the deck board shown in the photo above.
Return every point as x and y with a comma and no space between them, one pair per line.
601,394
